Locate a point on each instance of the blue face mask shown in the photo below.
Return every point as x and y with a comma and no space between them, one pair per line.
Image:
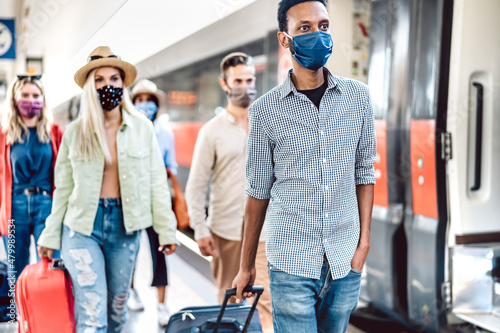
312,50
147,108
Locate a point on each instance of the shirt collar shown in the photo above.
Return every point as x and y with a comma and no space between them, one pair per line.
288,87
229,117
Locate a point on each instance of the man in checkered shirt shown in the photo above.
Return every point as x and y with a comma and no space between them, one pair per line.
311,150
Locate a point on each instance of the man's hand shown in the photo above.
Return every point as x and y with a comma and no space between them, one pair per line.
45,252
167,249
359,258
242,280
207,246
255,214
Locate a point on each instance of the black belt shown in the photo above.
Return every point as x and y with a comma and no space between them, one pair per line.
32,191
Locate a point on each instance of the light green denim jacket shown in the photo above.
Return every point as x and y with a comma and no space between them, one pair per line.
143,185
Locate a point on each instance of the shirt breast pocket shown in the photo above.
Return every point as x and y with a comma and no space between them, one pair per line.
139,163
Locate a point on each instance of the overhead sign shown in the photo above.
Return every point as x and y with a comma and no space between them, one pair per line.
7,39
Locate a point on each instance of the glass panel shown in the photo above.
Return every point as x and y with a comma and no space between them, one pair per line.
194,93
427,60
379,59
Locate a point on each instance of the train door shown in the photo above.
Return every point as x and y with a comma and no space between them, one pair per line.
473,125
386,264
426,218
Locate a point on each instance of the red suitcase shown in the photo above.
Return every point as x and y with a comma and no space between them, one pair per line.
45,299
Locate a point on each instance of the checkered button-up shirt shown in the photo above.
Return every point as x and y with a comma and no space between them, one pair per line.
308,162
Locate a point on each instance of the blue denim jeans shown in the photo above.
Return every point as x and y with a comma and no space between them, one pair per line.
100,267
305,305
28,217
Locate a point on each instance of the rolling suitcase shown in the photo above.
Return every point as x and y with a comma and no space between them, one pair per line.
7,309
45,299
218,318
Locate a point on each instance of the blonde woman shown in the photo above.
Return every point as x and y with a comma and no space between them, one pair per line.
110,183
28,150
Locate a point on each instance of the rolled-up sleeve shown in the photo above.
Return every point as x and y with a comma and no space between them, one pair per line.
260,166
367,147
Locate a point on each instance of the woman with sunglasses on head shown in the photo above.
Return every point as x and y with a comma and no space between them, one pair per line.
110,183
28,148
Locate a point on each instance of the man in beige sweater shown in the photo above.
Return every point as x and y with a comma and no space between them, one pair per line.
219,159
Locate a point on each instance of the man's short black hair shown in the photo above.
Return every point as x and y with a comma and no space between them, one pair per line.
283,8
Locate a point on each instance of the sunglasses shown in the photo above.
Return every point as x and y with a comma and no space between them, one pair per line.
237,60
92,58
29,77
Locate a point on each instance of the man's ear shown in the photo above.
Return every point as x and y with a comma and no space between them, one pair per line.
283,39
224,85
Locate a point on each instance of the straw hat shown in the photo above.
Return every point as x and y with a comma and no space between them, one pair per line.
104,57
147,87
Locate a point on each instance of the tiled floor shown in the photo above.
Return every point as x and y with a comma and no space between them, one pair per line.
187,287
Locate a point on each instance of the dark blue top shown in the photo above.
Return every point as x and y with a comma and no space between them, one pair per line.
31,163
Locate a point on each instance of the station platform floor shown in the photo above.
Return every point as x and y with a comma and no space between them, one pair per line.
190,284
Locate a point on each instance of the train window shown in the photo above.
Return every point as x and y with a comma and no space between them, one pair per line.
194,93
427,52
379,62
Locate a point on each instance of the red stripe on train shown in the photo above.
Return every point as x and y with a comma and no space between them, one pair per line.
185,134
381,186
423,167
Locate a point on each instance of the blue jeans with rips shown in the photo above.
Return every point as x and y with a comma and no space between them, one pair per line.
29,213
101,267
306,305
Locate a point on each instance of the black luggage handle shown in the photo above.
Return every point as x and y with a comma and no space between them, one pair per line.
257,290
57,264
226,325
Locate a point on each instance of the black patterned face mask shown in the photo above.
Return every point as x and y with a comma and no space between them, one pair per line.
110,97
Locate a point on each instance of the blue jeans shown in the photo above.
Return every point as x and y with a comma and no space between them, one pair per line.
100,267
28,217
305,305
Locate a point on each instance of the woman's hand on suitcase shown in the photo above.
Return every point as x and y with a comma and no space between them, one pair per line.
45,252
167,249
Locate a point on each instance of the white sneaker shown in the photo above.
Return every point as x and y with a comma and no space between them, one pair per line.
134,301
163,314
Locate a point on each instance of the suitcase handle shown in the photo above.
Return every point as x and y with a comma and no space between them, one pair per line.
257,290
227,323
56,264
45,266
252,289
